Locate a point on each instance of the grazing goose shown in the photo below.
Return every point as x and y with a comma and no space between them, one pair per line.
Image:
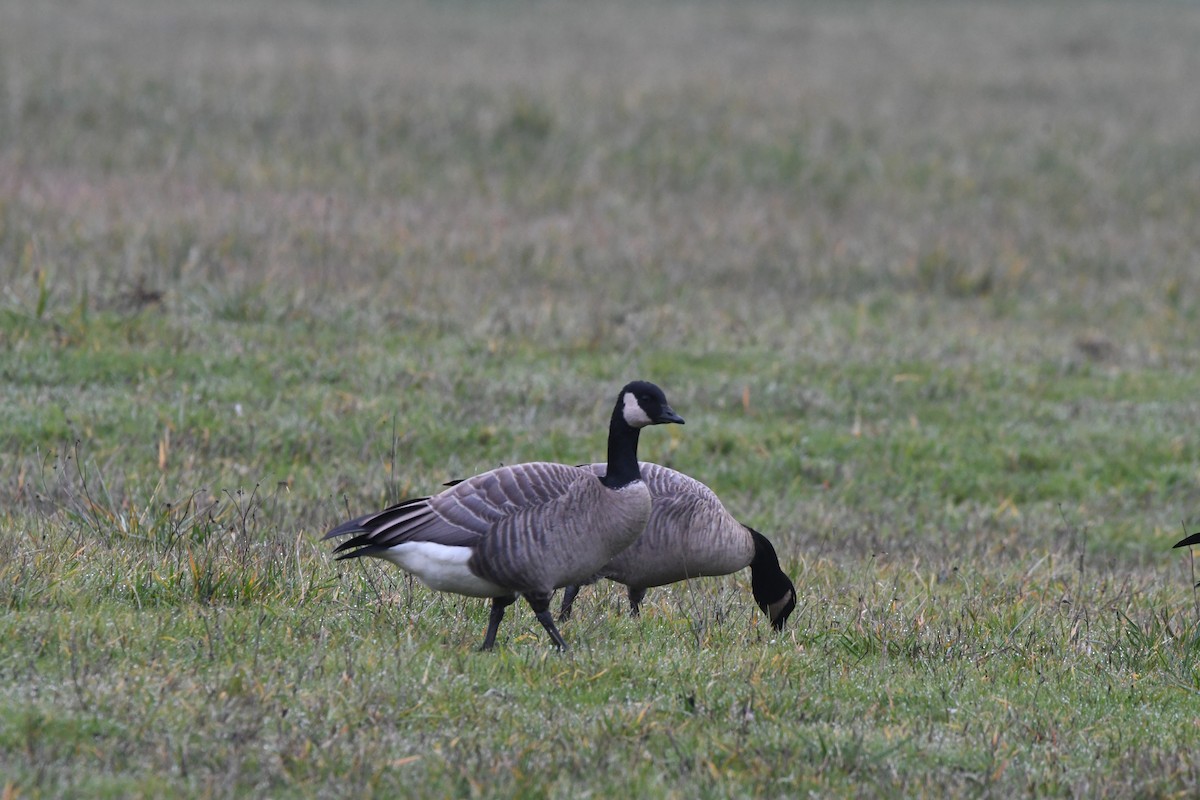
690,534
525,529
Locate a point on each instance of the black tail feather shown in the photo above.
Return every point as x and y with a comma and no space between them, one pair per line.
373,520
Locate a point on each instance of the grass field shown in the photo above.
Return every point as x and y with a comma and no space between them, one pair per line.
923,278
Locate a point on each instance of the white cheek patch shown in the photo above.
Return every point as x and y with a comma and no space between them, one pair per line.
779,605
635,415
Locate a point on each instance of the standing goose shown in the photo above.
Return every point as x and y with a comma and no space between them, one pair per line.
691,534
524,529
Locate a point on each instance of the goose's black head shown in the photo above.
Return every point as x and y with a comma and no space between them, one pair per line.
773,590
641,403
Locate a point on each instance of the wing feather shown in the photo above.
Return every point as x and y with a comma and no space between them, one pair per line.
462,515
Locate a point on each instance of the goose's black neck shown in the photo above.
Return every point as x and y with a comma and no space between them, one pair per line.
622,452
772,588
765,557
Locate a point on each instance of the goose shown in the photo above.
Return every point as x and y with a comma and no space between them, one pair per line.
691,534
525,529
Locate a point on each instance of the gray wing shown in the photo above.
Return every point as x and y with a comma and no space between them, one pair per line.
462,515
680,501
478,503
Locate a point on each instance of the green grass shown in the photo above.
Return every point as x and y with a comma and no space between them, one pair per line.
922,277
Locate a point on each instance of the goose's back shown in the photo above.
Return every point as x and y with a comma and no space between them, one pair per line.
547,525
689,534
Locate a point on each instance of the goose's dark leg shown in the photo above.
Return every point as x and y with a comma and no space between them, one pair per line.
540,603
636,595
569,595
498,606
